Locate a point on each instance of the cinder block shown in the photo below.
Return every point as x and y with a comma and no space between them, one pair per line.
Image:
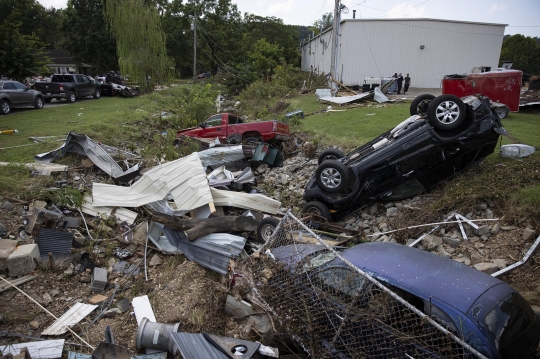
99,280
7,246
77,236
21,261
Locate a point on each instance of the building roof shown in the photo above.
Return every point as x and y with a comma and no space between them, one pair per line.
59,57
424,19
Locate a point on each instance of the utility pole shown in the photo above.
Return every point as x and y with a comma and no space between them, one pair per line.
335,47
194,28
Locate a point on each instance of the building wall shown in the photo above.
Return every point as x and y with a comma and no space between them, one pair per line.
379,48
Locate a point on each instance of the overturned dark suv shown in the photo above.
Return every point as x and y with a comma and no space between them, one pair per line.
416,155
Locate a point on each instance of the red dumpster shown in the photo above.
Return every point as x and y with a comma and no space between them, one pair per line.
499,86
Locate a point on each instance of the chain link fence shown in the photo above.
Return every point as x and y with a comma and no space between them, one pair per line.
340,311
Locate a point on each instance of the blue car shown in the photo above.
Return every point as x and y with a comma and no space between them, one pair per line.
483,311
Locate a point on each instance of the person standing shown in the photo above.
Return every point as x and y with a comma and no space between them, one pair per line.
407,84
399,83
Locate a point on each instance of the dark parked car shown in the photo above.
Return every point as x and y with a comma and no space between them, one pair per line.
204,75
483,311
415,156
15,94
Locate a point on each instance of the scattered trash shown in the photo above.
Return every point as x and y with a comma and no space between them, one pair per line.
516,151
99,280
153,335
143,309
46,349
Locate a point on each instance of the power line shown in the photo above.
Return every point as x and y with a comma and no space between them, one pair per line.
209,38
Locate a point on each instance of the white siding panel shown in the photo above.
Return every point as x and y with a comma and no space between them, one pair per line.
379,48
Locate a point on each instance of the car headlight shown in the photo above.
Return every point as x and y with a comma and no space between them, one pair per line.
516,150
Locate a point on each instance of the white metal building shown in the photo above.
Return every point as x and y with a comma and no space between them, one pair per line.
427,49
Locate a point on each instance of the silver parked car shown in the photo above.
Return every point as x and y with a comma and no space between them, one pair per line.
15,94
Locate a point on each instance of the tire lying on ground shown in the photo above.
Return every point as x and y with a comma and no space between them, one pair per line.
266,228
330,154
420,104
446,112
332,176
318,208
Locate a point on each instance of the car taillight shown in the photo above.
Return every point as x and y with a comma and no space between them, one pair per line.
274,126
61,88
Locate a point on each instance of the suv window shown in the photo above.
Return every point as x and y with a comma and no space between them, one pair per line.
9,86
19,86
213,121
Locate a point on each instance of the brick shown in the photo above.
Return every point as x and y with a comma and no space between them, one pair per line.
21,261
7,246
97,299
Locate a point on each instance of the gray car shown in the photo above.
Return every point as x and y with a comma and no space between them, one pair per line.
15,94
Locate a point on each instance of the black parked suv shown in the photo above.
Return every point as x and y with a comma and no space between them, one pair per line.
415,156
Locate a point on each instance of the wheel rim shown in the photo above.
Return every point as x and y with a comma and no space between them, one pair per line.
447,112
422,107
266,231
331,177
39,103
72,97
5,107
314,210
98,94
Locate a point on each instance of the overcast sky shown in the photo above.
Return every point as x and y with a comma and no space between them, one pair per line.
520,15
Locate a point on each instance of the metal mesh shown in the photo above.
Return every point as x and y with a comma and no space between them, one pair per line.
343,312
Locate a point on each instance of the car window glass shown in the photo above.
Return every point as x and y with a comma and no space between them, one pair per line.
19,86
213,121
407,189
440,316
9,86
341,283
233,120
79,78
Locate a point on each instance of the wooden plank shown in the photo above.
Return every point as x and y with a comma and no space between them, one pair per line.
74,315
4,286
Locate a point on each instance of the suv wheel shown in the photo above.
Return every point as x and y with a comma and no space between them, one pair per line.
39,103
332,176
71,97
315,207
420,104
446,112
5,107
330,154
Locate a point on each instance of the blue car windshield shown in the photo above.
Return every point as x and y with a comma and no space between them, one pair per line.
514,325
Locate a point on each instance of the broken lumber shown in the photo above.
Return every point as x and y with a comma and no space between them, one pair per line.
198,227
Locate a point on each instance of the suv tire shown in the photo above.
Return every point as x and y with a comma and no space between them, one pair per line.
330,154
446,112
332,176
420,104
71,97
318,208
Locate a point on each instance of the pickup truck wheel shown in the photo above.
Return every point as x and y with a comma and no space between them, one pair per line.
420,104
266,228
5,107
330,154
71,97
252,141
97,94
315,207
332,176
48,100
446,112
39,103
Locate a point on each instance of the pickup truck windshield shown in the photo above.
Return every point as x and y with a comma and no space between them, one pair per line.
62,78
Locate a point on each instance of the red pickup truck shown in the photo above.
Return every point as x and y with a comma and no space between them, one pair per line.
232,129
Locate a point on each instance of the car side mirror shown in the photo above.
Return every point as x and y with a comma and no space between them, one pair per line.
202,125
26,88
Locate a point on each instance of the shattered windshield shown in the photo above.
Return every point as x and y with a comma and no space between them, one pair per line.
513,323
319,260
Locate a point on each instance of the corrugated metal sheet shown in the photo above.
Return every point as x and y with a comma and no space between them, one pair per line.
74,315
195,346
212,251
381,47
162,243
257,202
121,214
51,241
184,179
216,156
46,349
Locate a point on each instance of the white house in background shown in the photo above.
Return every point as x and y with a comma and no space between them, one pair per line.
427,49
63,63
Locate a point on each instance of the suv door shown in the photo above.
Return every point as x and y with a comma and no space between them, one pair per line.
25,97
13,95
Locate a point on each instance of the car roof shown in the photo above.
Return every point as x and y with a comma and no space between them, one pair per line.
450,281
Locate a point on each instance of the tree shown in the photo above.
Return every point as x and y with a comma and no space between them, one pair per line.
325,22
140,41
86,35
20,55
523,51
265,56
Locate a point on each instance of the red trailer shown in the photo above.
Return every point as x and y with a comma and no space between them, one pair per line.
499,86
